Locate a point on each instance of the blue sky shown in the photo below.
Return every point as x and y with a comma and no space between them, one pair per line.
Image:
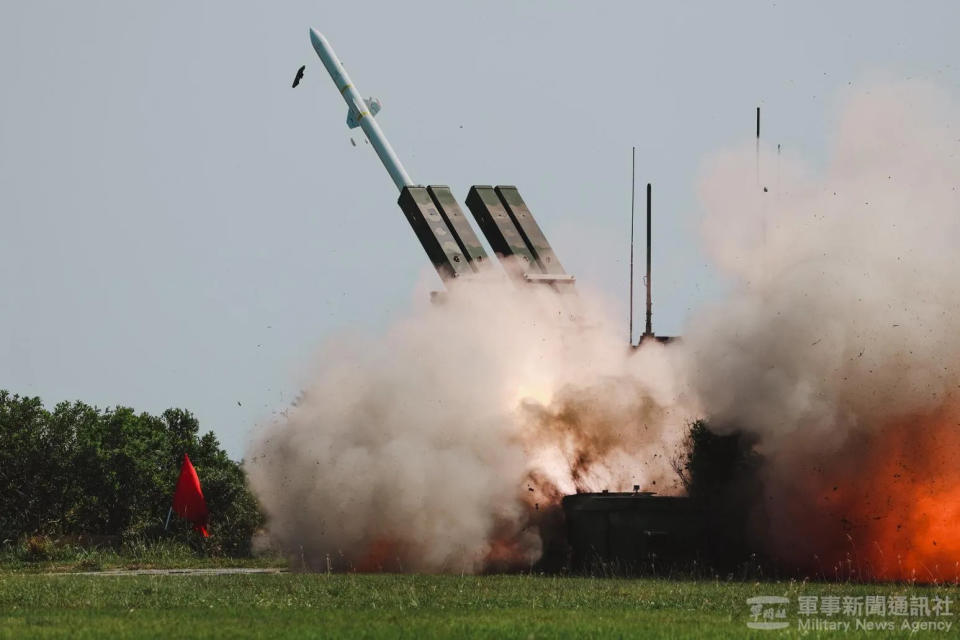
179,227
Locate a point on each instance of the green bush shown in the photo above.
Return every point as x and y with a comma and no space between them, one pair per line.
722,476
106,477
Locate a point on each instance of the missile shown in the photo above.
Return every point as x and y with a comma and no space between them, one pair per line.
360,112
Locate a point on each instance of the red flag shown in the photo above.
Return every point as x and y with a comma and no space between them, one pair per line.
188,502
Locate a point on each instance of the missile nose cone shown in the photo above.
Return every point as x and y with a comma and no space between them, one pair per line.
317,39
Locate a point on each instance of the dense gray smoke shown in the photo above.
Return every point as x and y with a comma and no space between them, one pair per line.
436,446
841,333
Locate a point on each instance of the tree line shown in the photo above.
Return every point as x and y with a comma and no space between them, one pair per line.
109,474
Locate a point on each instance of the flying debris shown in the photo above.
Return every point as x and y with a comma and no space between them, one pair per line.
299,77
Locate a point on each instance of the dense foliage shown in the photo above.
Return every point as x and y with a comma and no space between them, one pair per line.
108,475
717,464
722,476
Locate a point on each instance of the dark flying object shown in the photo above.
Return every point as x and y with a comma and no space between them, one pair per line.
299,77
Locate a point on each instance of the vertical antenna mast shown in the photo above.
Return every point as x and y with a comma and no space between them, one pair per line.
649,331
633,193
763,212
758,146
778,170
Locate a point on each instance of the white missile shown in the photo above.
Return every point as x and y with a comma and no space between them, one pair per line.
360,112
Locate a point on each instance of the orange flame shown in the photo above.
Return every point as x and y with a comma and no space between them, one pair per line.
383,554
887,507
917,464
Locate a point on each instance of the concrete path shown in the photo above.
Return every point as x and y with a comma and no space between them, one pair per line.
221,571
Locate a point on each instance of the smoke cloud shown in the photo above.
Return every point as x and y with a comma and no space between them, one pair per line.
441,445
838,345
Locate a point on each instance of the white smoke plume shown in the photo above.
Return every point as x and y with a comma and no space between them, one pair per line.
838,345
845,293
436,446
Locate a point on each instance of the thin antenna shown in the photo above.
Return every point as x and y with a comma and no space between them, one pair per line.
758,146
633,193
778,170
649,331
763,209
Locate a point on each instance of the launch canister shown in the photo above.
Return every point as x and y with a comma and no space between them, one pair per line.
361,112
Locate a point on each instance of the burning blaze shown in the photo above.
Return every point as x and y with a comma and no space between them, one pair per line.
910,505
885,507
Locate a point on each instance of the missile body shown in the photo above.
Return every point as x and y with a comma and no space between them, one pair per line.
360,112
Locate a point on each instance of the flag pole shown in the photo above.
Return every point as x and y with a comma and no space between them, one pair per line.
169,513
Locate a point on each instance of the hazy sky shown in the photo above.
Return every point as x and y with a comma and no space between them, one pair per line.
179,227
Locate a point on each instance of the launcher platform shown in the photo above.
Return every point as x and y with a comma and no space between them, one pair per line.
437,219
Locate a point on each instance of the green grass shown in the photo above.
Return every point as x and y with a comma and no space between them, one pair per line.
374,606
24,558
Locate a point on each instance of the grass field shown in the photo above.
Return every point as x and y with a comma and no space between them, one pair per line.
37,605
21,558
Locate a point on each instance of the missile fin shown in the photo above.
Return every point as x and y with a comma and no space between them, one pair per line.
373,108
